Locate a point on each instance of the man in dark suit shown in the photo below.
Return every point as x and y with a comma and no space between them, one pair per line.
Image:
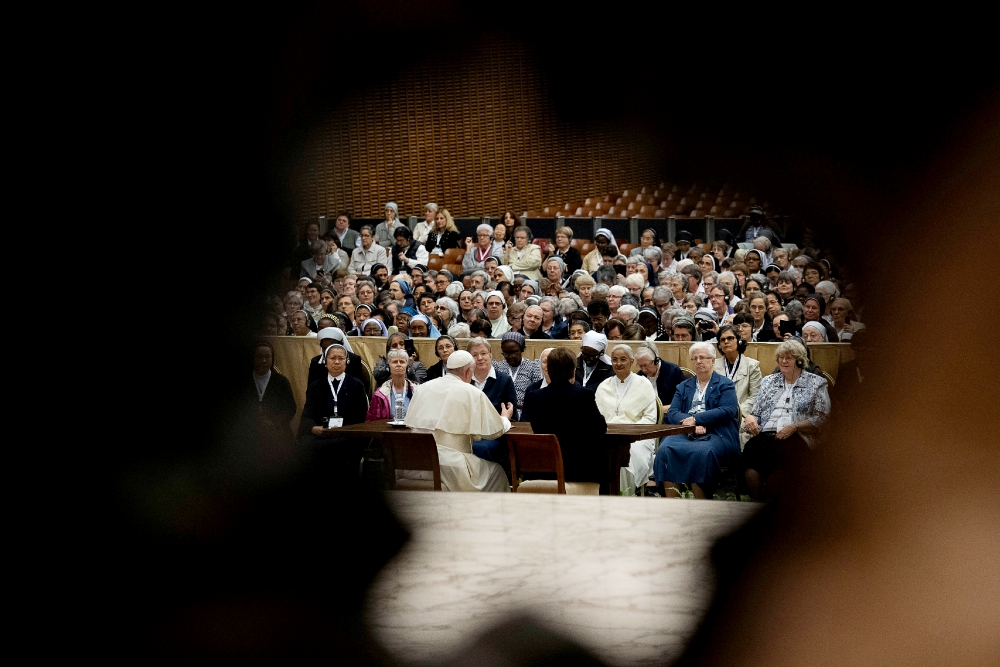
591,370
569,411
666,374
317,367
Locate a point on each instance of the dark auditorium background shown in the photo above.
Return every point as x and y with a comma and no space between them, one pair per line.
879,132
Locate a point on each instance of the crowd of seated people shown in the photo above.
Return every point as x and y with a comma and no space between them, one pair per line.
376,282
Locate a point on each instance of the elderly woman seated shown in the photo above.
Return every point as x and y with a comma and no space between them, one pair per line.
392,399
706,401
415,371
788,413
625,398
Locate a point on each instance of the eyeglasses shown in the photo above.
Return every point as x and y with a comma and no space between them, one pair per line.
701,358
727,339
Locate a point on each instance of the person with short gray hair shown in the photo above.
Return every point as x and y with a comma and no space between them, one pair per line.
706,401
480,279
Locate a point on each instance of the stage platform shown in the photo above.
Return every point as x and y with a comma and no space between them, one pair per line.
628,578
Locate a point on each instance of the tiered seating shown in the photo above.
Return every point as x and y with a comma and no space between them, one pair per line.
661,201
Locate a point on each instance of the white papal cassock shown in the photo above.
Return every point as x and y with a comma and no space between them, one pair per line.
459,413
631,402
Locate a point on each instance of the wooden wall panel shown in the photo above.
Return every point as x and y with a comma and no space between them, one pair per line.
475,134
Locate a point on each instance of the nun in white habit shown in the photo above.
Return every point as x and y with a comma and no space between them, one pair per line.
459,413
626,398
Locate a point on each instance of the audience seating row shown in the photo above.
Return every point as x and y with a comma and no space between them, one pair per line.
293,353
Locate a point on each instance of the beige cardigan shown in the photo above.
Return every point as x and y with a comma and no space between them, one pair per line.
528,264
747,383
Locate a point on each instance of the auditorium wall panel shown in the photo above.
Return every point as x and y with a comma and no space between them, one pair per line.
474,132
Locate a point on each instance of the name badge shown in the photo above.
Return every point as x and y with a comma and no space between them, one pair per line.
335,422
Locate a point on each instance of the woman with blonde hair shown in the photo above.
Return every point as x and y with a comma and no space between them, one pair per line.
444,234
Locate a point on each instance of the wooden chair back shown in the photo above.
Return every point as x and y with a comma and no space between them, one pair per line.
536,453
412,451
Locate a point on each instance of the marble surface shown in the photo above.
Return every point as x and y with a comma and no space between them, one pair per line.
629,578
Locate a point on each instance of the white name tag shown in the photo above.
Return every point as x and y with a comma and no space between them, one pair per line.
335,422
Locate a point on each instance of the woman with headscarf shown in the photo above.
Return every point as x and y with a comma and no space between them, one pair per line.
317,365
270,400
755,261
401,291
625,398
813,309
421,326
521,371
384,230
373,327
593,366
496,310
813,332
443,347
503,273
594,259
337,399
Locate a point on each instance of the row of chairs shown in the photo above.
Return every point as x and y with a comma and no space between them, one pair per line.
528,454
659,202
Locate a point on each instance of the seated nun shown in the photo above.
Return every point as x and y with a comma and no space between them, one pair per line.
273,405
593,367
625,398
317,366
331,402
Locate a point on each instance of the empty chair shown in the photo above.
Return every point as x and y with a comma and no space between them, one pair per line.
626,248
661,213
542,454
628,194
697,213
435,263
644,190
580,243
646,211
453,255
412,451
715,211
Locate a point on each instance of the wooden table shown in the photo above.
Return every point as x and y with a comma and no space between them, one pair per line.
618,440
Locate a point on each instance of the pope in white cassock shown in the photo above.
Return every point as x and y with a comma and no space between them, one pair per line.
459,413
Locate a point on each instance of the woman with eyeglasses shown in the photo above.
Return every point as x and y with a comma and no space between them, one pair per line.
478,250
791,408
763,332
742,370
708,402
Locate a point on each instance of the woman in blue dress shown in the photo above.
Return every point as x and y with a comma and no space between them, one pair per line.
706,401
